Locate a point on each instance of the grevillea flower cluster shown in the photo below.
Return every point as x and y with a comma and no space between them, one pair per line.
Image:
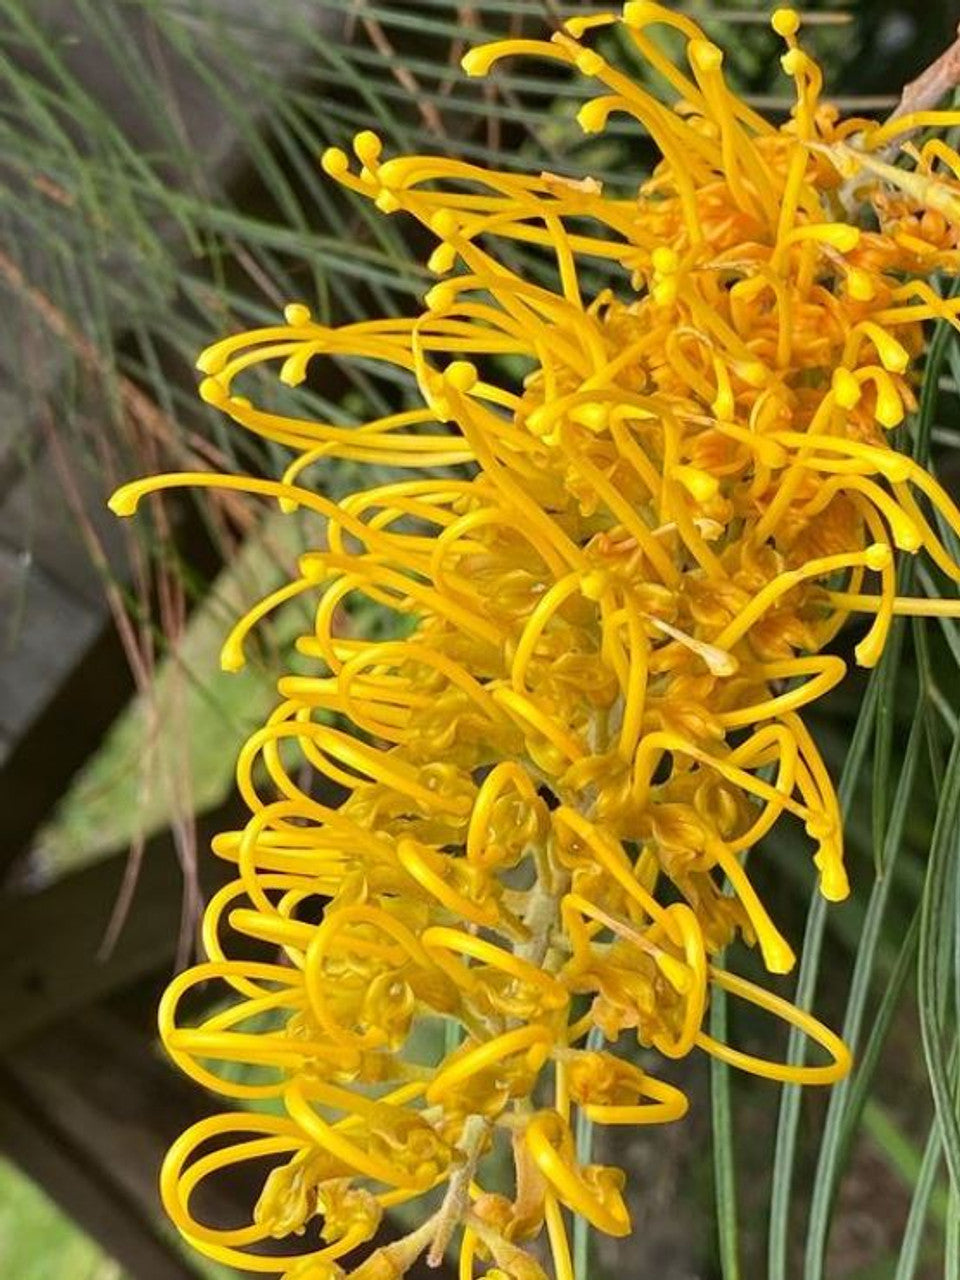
616,574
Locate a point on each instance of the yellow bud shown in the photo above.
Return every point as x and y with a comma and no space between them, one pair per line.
212,359
860,285
537,421
785,22
665,260
334,162
637,13
577,27
867,653
593,584
665,291
592,116
841,236
777,953
442,259
367,147
232,657
893,356
704,55
838,235
834,884
594,416
294,368
752,372
313,565
889,405
905,532
477,62
846,388
699,484
212,391
723,404
771,454
125,500
461,375
877,556
440,297
296,314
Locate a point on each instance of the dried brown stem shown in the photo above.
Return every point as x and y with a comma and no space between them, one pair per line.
456,1202
403,75
939,79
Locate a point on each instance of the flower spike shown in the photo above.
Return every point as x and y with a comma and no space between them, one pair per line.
615,614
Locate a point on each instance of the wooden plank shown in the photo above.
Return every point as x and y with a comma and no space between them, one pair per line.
40,764
38,523
46,628
50,941
83,1189
101,1091
89,1107
98,1089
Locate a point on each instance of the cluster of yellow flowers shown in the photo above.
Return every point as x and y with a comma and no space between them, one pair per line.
619,576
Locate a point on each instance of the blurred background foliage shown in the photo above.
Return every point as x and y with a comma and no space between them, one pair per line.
160,186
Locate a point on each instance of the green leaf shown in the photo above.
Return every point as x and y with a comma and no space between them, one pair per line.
829,1164
788,1122
724,1154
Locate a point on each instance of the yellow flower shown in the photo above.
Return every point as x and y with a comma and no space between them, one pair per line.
621,601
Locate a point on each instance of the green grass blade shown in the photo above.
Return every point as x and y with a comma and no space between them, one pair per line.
583,1138
923,1191
937,926
829,1163
865,1071
788,1121
724,1153
951,1270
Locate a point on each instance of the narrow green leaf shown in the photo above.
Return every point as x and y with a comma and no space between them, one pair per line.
724,1153
937,926
865,1071
827,1177
785,1149
951,1249
583,1139
921,1201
